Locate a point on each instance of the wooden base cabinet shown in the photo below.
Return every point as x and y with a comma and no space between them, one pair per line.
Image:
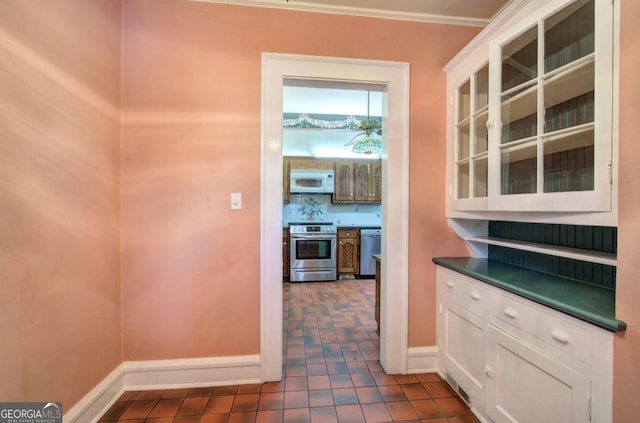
285,253
348,251
517,361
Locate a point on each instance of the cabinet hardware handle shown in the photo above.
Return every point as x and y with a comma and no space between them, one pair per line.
488,370
560,336
285,243
489,124
450,284
474,295
511,313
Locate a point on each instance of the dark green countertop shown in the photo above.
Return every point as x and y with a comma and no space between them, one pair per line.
590,303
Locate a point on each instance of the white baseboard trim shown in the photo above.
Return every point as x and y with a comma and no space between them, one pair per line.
422,359
99,399
194,372
164,374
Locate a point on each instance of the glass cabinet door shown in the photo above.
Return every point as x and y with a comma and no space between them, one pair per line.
550,138
472,136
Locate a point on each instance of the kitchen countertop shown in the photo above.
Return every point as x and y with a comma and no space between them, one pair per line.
376,257
591,303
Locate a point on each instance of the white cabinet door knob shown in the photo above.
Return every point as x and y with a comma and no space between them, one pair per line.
511,313
488,370
560,336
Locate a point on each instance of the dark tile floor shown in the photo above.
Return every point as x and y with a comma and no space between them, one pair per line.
332,374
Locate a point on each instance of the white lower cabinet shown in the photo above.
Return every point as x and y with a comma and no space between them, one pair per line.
524,385
463,351
514,360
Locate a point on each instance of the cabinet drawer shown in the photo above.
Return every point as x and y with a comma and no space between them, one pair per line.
348,233
554,330
472,294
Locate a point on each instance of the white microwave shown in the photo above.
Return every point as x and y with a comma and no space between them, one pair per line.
311,181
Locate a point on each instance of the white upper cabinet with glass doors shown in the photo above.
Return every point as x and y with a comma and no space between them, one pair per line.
543,143
551,103
471,146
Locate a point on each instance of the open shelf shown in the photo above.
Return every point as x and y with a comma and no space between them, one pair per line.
566,252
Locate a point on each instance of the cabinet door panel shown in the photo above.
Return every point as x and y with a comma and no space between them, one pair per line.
526,386
361,182
348,251
285,253
375,176
552,144
343,188
464,349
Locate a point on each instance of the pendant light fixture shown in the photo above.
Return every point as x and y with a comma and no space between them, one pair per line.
368,140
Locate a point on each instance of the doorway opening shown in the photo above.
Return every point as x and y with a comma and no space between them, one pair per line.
276,68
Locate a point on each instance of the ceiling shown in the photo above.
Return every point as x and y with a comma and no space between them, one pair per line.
462,12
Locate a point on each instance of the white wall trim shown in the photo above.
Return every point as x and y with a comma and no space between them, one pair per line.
489,31
423,359
164,374
357,11
192,372
98,400
395,219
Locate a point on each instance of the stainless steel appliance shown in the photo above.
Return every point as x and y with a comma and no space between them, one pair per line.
311,181
313,252
369,245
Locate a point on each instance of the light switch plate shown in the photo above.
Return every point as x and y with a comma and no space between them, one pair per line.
236,201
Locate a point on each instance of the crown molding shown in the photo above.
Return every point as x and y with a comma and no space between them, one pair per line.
498,20
356,11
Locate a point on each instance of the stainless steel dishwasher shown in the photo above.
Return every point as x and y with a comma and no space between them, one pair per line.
369,245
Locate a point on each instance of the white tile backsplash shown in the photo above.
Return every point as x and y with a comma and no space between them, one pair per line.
318,208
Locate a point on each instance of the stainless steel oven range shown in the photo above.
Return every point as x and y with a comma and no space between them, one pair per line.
313,251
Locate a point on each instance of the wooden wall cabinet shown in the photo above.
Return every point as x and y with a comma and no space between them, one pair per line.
358,181
286,180
343,185
348,251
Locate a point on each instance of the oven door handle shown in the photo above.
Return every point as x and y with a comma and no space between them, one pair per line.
318,237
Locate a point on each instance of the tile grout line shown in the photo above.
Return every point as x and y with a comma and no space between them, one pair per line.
330,351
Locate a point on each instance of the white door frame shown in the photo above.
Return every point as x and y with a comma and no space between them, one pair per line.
395,199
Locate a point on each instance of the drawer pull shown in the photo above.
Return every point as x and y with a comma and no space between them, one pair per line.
474,295
560,336
511,313
450,284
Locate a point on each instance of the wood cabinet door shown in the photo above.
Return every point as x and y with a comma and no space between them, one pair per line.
285,252
343,185
375,181
348,252
285,179
361,182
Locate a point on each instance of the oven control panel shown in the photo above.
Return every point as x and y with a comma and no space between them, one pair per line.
312,229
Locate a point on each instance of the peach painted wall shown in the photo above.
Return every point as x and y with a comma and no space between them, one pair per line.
627,344
191,101
60,303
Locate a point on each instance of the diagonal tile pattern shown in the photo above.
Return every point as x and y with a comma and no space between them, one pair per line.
331,374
